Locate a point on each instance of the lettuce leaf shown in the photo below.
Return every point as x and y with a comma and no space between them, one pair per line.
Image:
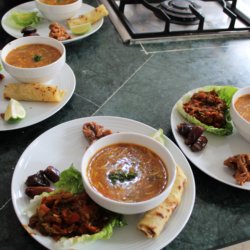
70,181
224,92
159,136
20,20
105,234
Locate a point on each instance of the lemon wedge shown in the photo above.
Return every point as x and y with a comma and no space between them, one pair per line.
80,29
14,111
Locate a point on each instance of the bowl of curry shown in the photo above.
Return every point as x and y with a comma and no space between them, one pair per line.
240,112
128,173
33,59
58,10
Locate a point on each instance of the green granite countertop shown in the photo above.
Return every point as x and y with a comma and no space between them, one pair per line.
142,82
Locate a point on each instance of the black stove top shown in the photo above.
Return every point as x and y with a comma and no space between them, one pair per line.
147,19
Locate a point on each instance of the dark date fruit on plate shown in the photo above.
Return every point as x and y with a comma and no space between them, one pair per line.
37,179
52,173
192,135
32,191
200,143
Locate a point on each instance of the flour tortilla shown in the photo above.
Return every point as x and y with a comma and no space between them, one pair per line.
154,220
33,92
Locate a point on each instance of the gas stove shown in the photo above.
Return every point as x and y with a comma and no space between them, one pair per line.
144,21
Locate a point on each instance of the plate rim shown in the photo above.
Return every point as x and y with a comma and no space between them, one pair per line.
179,142
83,119
63,103
72,40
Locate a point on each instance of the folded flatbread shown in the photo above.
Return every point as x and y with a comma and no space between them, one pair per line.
90,17
154,220
33,92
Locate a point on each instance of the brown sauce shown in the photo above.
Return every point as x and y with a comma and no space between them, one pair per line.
58,2
149,172
242,105
33,56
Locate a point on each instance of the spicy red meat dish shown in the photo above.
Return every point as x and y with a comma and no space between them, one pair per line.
208,108
67,214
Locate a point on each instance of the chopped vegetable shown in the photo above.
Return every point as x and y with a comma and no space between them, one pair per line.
224,92
159,136
19,20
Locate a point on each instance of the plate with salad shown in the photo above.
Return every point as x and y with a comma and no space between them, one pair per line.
63,147
195,109
27,14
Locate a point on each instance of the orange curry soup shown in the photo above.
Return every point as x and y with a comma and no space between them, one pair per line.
242,105
33,56
58,2
127,172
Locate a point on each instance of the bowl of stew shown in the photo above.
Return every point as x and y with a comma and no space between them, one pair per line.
240,112
58,10
128,173
33,59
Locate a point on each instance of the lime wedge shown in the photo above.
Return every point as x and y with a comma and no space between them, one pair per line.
159,136
80,29
14,111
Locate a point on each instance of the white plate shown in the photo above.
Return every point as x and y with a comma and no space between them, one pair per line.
65,144
38,111
219,148
43,26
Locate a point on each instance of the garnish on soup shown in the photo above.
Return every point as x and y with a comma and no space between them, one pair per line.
242,105
121,176
24,56
127,172
37,58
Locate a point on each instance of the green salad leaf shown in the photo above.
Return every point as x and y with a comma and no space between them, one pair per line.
70,181
224,92
104,234
1,67
18,19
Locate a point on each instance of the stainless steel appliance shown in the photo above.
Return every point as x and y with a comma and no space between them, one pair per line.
160,20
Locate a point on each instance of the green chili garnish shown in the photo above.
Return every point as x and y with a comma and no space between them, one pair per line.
37,58
121,176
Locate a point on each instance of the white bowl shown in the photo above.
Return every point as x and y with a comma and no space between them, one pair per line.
34,75
242,125
58,12
129,207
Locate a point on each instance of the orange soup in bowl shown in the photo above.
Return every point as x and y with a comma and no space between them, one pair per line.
127,172
58,2
242,105
32,56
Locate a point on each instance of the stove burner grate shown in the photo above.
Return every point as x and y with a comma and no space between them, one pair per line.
181,11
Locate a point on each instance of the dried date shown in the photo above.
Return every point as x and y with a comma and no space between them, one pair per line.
32,191
37,179
192,135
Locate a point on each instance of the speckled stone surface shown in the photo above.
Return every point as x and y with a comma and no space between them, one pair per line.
142,83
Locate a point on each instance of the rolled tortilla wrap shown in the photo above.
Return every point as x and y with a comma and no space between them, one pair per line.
33,92
154,220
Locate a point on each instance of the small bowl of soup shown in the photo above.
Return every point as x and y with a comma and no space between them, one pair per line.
240,112
33,59
128,173
58,10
